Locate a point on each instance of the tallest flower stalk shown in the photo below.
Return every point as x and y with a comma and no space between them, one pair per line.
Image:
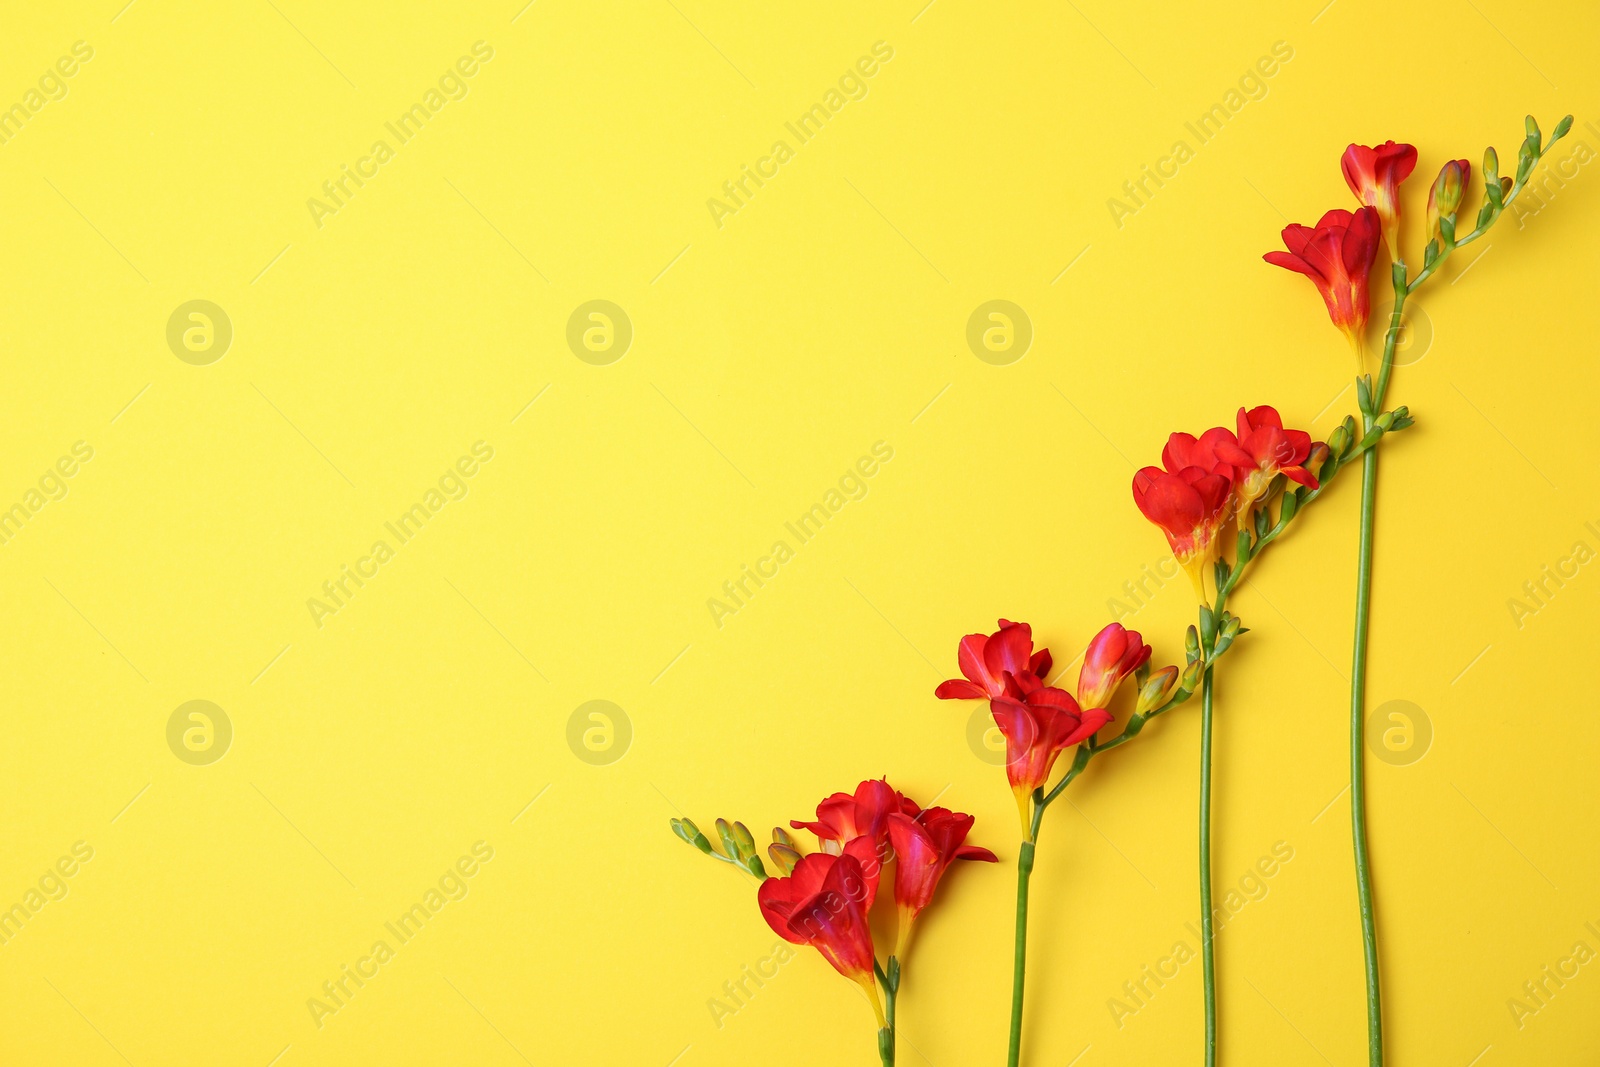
1374,176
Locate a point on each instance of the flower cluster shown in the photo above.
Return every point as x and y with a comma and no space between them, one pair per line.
1205,481
1040,721
824,899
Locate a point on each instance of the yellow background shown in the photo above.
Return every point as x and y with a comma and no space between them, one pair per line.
827,314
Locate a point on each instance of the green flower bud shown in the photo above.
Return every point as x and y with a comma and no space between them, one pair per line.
781,836
1561,130
742,838
1156,691
687,830
784,857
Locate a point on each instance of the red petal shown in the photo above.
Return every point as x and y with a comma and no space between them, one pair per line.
959,689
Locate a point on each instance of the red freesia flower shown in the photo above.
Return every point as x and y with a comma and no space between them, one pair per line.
824,904
1039,723
924,848
1114,654
1263,450
1189,500
1374,175
985,660
1337,256
842,817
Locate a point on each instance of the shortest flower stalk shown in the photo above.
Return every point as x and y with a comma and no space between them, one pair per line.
825,899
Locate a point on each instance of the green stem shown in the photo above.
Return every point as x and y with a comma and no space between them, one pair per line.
1019,964
1358,801
1208,962
1358,684
890,980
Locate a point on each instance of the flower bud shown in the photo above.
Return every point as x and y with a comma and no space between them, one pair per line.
745,841
1338,440
784,857
1191,644
689,832
1156,691
1445,197
1562,129
1191,675
730,847
781,836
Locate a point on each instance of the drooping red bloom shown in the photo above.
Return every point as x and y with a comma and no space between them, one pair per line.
824,904
1189,499
1263,450
1114,654
1374,175
924,848
1039,722
1337,255
985,661
843,817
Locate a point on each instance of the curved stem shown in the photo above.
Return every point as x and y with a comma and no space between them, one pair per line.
1208,962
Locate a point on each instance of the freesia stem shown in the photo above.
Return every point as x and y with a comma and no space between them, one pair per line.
1019,962
890,980
1208,961
1358,684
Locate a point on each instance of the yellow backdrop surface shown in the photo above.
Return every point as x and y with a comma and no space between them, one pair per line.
397,501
